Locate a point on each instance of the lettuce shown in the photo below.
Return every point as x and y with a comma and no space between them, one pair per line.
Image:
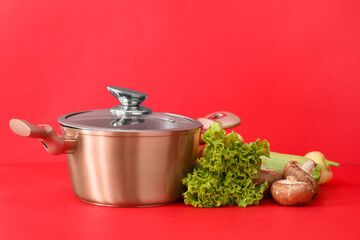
224,176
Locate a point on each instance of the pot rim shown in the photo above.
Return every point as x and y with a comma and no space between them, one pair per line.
73,132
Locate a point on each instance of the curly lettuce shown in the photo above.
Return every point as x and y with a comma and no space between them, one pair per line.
224,176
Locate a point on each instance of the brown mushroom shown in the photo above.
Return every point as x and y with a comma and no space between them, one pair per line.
269,176
290,192
302,173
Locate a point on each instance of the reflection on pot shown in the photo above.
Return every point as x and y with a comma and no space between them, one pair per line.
126,121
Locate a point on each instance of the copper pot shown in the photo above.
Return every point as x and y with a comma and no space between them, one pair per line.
126,156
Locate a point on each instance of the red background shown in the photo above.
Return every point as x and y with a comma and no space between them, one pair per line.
290,69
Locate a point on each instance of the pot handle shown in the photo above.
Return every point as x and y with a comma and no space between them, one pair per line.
226,120
54,144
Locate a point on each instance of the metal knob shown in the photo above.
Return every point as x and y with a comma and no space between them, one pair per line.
130,102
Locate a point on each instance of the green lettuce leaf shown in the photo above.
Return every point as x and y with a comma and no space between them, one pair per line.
224,176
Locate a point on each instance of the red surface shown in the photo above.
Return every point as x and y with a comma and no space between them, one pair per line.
290,69
36,202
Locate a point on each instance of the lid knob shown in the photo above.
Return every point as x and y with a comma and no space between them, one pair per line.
130,102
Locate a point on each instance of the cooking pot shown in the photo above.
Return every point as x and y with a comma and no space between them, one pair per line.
126,156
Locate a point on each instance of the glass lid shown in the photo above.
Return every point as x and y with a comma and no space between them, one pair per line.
130,116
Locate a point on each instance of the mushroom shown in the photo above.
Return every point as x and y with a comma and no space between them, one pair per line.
267,175
302,173
290,192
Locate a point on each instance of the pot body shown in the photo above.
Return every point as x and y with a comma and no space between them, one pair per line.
131,169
